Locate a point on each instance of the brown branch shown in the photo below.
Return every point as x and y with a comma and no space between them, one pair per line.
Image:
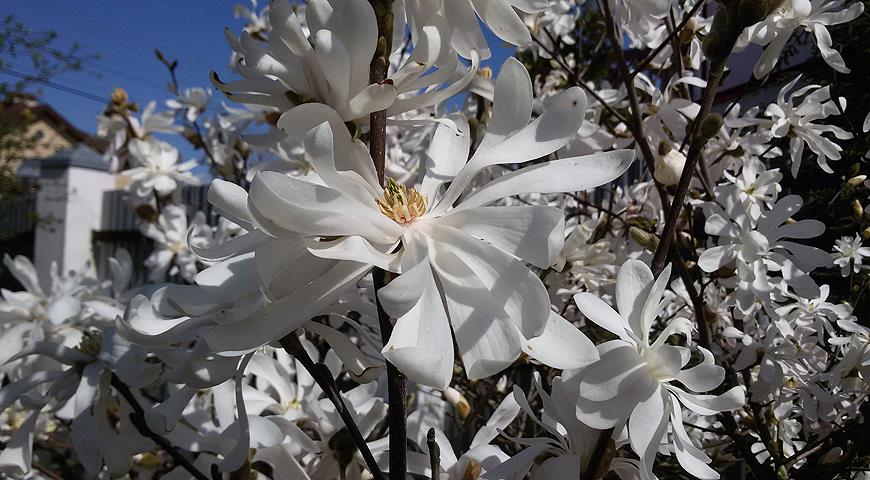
396,390
695,149
323,377
137,418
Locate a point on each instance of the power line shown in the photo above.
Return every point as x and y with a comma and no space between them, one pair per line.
56,86
92,66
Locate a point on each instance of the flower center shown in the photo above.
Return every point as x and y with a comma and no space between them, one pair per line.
401,203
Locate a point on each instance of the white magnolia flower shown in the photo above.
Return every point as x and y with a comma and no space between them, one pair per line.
172,254
849,254
79,392
567,446
797,121
192,101
816,313
669,167
37,313
813,16
759,246
757,187
559,20
118,129
159,171
631,383
331,65
471,464
590,266
257,21
477,252
461,27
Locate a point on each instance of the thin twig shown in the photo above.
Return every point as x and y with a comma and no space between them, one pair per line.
137,417
695,150
434,454
323,377
676,31
396,390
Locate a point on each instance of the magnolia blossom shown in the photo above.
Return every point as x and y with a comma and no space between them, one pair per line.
331,65
461,27
797,122
814,16
569,445
849,254
445,252
759,245
118,128
38,313
756,186
818,313
475,463
160,172
191,101
172,254
79,393
631,383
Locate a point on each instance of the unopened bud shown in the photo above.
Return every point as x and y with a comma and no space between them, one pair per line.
857,209
710,127
720,41
472,471
669,167
688,32
866,233
455,398
855,181
119,96
645,239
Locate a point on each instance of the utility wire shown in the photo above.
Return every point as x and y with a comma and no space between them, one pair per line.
56,86
93,66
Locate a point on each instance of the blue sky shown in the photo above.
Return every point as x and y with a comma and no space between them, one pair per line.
125,33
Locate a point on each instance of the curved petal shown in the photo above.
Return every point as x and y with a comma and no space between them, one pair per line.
562,345
421,345
566,175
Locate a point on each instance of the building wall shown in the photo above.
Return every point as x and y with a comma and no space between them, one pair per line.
49,143
69,210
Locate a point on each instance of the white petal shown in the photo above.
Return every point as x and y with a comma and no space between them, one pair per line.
501,18
421,345
512,103
566,175
447,153
546,134
488,340
503,415
633,284
305,208
533,233
647,425
602,314
17,454
691,458
703,377
562,345
616,369
713,404
518,292
286,314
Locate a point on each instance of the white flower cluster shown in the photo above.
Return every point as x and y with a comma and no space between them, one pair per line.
395,229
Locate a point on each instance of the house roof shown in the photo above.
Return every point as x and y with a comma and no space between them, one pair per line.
81,156
26,105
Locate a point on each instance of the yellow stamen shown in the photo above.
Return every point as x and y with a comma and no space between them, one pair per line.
401,203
